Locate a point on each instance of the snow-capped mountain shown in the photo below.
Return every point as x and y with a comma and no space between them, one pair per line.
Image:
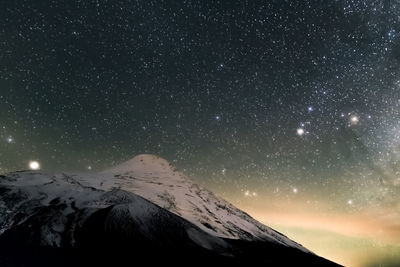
143,202
154,179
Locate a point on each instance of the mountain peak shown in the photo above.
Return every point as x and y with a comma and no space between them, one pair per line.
143,200
143,162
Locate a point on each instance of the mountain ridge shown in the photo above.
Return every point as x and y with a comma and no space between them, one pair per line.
53,210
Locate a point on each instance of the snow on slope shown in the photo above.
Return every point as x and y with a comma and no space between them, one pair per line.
155,180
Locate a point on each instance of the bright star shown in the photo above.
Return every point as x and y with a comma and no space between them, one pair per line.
294,190
310,108
10,139
350,201
34,165
300,131
354,119
217,117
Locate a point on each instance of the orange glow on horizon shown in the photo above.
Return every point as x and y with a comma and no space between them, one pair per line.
353,239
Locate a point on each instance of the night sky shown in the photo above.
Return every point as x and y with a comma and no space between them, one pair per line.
288,109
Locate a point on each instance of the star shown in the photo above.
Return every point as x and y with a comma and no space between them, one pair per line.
223,171
391,34
295,190
354,119
300,131
218,117
34,165
10,139
350,202
89,167
310,109
247,193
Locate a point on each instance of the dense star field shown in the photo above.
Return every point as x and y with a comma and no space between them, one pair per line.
288,109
